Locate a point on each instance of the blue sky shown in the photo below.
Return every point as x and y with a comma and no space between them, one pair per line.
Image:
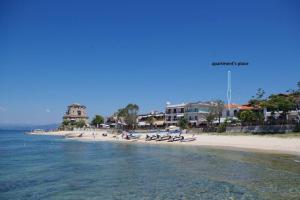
105,54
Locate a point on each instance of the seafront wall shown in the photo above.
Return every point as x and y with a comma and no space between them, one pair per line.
247,129
261,129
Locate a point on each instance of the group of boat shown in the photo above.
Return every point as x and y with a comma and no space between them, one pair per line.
168,136
159,136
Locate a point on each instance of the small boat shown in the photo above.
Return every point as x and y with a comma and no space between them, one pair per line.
38,131
130,136
162,138
133,136
188,139
151,137
73,135
176,138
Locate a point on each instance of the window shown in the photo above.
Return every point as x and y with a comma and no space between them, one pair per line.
79,112
174,111
182,110
175,118
190,118
169,118
196,117
227,113
235,113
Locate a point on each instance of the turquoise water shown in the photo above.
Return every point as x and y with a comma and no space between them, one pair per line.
44,167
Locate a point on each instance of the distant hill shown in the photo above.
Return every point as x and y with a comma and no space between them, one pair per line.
27,126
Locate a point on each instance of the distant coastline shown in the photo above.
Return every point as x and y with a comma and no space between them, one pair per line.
27,127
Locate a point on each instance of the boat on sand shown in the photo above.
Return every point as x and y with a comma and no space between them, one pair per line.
176,138
188,139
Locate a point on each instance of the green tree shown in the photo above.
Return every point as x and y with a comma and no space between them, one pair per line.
216,111
98,119
151,120
259,117
280,103
121,113
222,127
260,94
297,128
258,98
183,123
65,122
210,116
247,116
129,115
80,124
295,92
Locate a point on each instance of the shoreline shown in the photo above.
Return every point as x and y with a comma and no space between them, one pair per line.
252,143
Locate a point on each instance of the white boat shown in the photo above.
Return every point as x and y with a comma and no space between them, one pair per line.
188,139
38,131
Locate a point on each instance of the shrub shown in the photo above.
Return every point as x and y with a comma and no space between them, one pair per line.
98,119
183,123
80,124
222,128
297,128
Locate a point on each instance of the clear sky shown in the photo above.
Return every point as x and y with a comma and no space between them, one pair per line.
105,54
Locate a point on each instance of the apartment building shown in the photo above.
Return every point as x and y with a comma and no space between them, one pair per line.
173,113
195,112
153,119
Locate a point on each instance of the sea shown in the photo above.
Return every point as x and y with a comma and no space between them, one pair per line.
48,167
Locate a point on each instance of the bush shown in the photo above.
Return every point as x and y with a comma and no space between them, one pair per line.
222,128
80,124
297,128
98,119
183,123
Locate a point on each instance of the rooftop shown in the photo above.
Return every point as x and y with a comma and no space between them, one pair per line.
77,105
241,107
175,105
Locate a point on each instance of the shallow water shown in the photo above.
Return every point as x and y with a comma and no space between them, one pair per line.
45,167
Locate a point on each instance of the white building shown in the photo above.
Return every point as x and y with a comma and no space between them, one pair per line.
156,118
195,113
232,110
173,113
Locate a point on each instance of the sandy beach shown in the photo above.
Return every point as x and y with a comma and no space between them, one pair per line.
290,145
